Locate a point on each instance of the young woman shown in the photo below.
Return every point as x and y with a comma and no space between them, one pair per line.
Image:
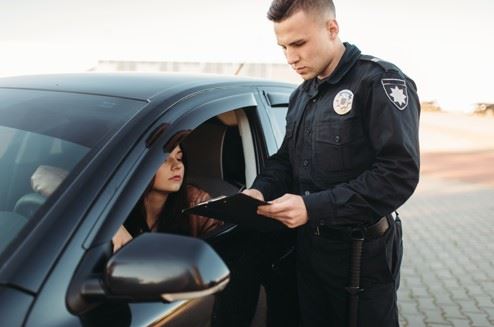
160,207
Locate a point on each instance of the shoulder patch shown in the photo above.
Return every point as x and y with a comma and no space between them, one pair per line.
396,91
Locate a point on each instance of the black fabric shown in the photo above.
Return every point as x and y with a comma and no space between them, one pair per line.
257,259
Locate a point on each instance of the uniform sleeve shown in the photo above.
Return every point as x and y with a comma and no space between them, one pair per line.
276,177
394,174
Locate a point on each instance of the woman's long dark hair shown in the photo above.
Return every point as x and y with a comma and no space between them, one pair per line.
170,219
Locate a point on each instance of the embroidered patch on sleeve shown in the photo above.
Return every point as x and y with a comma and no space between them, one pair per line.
396,91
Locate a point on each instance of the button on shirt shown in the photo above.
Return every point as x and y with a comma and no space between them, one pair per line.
304,145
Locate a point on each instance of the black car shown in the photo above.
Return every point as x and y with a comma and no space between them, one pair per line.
103,136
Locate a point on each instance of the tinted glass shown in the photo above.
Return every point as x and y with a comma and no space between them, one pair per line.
43,136
79,118
277,116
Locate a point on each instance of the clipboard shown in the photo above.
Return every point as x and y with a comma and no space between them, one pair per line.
239,209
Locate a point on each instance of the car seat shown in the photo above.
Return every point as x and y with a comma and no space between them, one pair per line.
206,166
215,163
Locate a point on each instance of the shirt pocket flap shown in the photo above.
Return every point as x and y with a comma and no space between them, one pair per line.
338,133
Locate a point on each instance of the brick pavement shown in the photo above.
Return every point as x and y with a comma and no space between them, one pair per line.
447,276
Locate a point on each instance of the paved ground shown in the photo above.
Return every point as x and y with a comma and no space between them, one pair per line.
448,268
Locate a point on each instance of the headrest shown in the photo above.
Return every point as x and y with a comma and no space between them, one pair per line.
46,179
204,148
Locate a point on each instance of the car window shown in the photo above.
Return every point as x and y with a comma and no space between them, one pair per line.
277,116
5,135
31,168
213,165
43,135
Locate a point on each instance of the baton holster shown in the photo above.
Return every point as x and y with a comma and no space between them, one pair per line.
358,237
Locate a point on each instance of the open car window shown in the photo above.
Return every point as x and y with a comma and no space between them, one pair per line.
215,165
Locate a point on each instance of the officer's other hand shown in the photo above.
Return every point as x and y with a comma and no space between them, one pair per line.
252,192
289,209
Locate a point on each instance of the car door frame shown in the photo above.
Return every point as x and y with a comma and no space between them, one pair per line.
93,235
271,98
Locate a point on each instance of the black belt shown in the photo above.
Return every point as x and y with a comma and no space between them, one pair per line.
369,232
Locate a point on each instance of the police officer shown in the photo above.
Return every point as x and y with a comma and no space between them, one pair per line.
349,159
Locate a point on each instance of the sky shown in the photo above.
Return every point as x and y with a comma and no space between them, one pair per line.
445,46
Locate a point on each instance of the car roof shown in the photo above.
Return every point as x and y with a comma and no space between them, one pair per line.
140,86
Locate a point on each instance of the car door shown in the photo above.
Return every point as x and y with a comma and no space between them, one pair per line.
118,199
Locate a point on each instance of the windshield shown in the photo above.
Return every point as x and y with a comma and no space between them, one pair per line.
43,136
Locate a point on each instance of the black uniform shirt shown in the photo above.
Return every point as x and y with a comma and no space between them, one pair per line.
351,144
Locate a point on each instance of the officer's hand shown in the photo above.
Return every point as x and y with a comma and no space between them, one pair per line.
289,209
252,192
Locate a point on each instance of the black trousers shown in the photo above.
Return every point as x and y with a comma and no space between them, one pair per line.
260,259
323,267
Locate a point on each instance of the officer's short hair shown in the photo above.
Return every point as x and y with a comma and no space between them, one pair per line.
282,9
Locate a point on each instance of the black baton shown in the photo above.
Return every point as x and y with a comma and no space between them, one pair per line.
354,288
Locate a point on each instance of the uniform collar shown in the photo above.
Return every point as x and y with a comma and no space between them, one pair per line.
349,58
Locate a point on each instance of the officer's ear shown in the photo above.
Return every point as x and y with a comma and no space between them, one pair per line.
333,28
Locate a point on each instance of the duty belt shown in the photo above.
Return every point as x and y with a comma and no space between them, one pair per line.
370,232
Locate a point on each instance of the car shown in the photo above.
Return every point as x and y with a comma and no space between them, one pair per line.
484,108
76,153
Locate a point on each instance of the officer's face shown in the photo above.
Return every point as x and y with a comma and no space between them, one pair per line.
309,43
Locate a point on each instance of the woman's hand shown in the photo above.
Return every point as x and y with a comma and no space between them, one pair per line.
121,238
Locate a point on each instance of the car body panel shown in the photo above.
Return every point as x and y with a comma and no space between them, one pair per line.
14,306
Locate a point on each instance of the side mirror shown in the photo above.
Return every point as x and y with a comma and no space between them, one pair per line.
152,267
166,267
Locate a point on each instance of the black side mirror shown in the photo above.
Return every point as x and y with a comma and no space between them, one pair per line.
152,267
166,267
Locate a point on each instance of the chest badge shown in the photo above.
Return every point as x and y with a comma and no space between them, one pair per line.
342,103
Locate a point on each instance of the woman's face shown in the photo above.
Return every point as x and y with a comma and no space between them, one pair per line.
170,175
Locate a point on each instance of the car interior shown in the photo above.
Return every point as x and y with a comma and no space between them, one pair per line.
215,158
34,167
215,152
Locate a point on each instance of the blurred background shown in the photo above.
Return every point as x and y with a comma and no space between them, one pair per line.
445,46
